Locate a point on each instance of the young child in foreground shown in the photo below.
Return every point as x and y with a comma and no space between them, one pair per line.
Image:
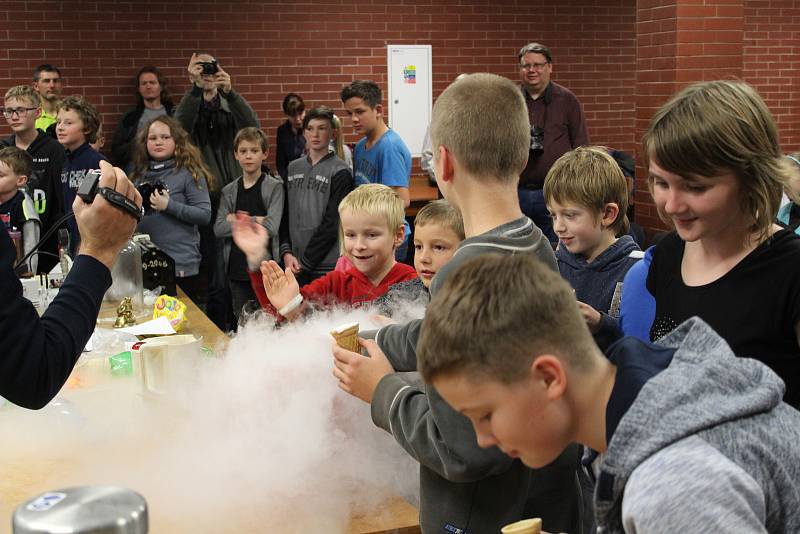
587,196
438,230
696,439
371,223
464,488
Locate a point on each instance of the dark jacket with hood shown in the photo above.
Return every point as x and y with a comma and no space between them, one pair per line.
44,188
596,283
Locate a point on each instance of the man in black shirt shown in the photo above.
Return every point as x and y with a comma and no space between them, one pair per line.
39,353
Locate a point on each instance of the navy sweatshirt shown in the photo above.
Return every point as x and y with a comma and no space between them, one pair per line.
39,353
76,165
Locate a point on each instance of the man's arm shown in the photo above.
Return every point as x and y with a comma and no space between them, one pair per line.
243,114
188,108
396,170
39,353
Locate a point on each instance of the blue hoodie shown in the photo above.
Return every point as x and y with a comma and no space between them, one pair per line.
76,164
596,283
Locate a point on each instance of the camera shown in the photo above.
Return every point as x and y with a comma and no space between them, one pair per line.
146,189
537,141
209,67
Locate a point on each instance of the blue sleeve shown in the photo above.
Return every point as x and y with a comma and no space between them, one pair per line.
39,353
637,306
396,163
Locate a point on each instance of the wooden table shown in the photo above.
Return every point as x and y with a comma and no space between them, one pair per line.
393,517
421,192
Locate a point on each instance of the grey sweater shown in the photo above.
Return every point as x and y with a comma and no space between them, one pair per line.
310,229
174,230
706,445
464,488
271,196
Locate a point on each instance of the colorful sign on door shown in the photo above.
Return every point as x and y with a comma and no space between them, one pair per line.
410,74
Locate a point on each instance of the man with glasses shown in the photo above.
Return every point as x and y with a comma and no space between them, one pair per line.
47,82
21,107
557,126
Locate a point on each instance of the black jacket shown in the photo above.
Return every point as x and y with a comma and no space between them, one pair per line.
44,187
39,353
122,143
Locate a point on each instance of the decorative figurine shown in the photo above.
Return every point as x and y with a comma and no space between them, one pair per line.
124,314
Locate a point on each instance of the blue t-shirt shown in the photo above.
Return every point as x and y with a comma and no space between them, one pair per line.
387,162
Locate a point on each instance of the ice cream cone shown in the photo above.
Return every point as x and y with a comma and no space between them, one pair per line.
526,526
346,336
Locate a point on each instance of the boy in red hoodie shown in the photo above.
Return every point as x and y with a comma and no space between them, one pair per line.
371,228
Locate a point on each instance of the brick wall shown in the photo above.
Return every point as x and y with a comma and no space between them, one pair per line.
772,61
684,41
272,48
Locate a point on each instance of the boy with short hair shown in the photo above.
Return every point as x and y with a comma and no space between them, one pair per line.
76,126
21,109
371,229
587,196
694,438
257,194
464,488
290,141
16,206
381,157
438,230
315,184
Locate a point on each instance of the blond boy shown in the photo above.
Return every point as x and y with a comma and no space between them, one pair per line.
462,487
16,206
587,196
371,229
690,438
257,194
21,110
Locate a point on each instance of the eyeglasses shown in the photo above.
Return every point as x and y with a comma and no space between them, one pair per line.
533,66
19,112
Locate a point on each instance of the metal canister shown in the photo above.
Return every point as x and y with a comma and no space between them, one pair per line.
83,510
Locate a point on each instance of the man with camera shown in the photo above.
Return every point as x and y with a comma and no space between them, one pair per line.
39,352
212,113
557,126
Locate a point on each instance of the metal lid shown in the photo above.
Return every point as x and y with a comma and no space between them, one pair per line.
83,510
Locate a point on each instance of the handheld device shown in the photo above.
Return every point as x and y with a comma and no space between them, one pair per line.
89,189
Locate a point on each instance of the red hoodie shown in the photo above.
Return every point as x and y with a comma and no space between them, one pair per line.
339,287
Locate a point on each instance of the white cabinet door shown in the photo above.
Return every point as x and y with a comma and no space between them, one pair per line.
410,92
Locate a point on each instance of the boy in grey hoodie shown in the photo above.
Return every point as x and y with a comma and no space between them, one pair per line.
688,437
464,489
587,196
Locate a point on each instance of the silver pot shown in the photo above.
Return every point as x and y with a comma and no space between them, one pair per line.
83,510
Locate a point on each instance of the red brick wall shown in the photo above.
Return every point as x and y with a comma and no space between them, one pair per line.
684,41
272,49
772,61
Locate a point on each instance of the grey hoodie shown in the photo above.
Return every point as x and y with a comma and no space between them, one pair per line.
705,446
463,488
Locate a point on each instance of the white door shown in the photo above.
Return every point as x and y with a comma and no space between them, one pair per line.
410,92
